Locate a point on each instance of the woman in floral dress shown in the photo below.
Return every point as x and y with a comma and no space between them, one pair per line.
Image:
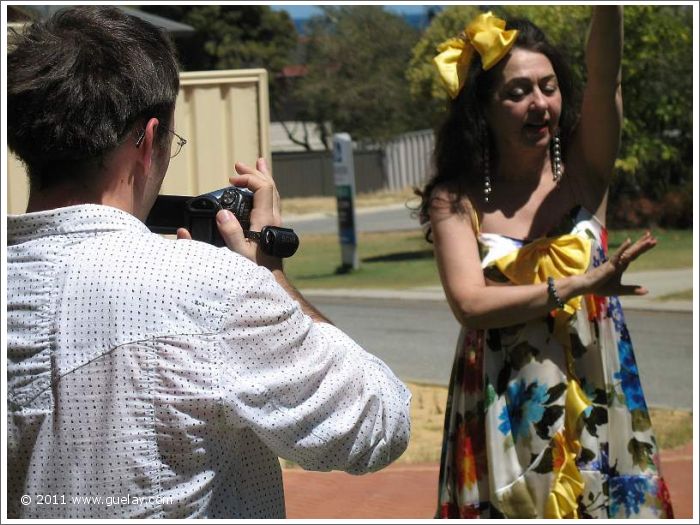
546,416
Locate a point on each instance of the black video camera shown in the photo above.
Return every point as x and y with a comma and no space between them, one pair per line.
198,215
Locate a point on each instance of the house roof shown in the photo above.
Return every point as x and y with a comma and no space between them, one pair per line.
171,26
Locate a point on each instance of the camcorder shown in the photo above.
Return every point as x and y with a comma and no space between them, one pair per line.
198,215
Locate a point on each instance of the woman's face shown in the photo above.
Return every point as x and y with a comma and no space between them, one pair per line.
525,106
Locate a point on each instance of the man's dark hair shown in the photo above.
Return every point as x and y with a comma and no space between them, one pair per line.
76,85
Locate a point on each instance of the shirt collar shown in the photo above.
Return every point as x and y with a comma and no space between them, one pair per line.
70,220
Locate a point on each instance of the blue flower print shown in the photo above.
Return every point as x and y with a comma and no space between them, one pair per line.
615,313
601,463
629,378
628,491
598,256
525,406
504,427
589,390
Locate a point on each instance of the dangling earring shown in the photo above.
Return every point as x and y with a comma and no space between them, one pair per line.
486,165
556,157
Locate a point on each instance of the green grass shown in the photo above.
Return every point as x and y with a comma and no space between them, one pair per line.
674,249
685,295
401,260
392,260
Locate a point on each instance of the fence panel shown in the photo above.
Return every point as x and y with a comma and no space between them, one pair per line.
310,174
304,174
408,159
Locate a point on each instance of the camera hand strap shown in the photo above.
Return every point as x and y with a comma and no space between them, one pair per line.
275,241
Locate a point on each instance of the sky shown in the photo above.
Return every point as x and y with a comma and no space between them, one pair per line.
305,11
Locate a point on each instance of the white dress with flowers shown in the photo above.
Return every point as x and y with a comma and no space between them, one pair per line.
547,418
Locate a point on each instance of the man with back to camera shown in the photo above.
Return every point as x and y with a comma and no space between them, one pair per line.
150,377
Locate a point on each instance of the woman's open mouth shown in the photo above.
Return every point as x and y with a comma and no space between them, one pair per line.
539,127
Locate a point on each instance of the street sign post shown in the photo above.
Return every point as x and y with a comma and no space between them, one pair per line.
344,178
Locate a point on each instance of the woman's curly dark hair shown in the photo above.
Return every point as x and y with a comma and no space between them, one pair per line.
457,158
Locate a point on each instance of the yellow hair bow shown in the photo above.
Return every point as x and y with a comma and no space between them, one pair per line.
486,34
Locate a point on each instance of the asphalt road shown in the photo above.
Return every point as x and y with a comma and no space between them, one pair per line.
417,340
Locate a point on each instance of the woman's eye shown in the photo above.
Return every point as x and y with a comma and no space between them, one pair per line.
549,88
516,93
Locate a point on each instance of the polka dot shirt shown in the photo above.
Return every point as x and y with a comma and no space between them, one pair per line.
150,377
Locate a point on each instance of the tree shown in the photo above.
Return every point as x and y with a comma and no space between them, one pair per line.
658,88
233,37
424,84
656,151
236,37
357,58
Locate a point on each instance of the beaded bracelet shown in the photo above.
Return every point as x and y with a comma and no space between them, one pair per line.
553,293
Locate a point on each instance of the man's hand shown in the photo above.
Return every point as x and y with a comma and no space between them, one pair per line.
266,199
265,212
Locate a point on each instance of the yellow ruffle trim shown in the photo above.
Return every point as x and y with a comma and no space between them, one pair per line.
568,485
558,257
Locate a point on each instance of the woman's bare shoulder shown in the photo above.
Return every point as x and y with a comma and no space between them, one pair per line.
451,197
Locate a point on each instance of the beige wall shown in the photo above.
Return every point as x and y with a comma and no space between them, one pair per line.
224,115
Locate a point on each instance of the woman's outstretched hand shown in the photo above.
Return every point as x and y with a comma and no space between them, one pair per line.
605,279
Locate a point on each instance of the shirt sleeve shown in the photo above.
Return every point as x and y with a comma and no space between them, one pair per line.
306,389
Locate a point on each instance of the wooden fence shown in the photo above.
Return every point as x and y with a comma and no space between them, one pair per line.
404,161
306,174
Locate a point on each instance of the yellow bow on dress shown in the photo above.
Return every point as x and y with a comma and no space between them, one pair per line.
558,257
548,257
486,34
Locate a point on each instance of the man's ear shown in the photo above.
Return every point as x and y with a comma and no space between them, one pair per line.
147,143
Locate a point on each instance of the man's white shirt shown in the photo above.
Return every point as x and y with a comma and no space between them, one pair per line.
149,377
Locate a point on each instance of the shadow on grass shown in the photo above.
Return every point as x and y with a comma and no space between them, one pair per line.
315,276
400,256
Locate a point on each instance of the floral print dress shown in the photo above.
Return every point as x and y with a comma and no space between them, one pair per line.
547,418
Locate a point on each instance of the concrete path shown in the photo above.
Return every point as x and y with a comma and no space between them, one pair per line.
660,283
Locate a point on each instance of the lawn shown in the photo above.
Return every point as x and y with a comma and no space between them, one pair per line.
401,260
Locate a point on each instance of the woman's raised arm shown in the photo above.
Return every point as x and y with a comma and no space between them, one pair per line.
597,138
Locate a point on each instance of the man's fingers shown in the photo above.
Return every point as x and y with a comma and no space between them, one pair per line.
260,169
230,229
183,234
266,207
251,181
